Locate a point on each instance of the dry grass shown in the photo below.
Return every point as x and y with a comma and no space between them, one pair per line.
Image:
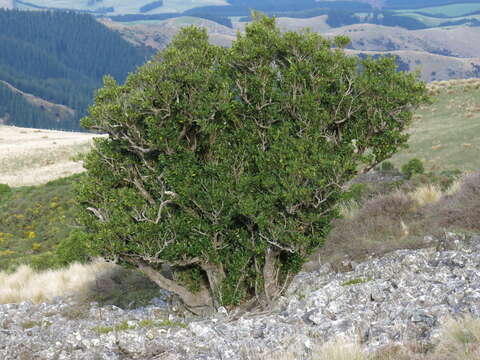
427,194
459,340
32,156
26,284
459,210
382,224
400,220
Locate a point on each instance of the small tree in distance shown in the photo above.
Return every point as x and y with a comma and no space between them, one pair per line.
223,167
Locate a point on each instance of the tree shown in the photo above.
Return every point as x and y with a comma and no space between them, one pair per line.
223,167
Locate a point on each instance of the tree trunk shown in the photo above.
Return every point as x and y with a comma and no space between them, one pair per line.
215,275
199,303
270,275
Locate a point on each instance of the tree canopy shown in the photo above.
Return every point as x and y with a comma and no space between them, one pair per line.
223,167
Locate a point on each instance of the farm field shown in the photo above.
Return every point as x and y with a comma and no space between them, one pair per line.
453,10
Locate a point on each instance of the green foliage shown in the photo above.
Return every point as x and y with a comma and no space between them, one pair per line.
414,166
33,221
74,248
4,189
227,164
387,166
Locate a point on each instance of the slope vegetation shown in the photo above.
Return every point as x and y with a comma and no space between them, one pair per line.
446,134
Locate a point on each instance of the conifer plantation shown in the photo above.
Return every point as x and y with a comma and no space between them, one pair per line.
60,57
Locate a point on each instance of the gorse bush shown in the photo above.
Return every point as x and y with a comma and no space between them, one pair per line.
387,166
223,167
414,166
4,189
74,248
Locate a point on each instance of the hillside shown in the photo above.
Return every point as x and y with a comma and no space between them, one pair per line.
158,35
439,53
446,134
59,58
7,4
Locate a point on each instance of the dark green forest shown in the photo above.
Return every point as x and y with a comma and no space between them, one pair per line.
27,114
60,57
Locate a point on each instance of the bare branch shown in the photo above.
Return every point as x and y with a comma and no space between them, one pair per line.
97,213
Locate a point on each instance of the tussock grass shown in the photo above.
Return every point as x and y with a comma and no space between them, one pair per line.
426,194
26,284
459,210
339,350
98,281
400,220
459,340
380,225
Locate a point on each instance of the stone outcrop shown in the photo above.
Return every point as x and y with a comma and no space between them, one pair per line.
401,297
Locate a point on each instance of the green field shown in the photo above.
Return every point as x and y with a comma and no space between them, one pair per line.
453,10
431,21
446,134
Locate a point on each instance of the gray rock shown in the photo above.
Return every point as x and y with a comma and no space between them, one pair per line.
403,296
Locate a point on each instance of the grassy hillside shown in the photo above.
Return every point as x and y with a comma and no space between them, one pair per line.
446,134
34,220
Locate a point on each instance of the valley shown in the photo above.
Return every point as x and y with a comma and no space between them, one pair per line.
394,274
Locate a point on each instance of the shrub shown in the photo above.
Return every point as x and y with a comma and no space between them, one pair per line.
387,166
414,166
4,189
225,165
74,248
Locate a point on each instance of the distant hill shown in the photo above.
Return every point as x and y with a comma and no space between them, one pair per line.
409,14
59,57
7,4
439,53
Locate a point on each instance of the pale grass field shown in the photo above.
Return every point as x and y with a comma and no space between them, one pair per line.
33,156
27,285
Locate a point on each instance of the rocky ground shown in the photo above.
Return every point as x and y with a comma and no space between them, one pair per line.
399,298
